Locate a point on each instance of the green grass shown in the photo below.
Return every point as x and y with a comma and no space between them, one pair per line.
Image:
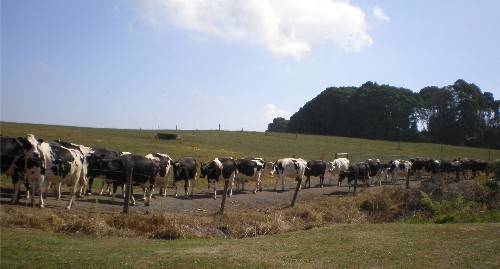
341,246
205,145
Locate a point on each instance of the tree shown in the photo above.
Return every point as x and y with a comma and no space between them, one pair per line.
278,125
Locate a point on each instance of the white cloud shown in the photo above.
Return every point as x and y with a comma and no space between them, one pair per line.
285,28
379,13
271,112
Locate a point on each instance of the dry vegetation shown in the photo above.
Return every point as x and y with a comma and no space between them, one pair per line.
433,201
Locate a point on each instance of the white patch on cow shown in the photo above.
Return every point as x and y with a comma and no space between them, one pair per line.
338,165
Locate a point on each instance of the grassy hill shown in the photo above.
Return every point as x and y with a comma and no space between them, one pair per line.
205,145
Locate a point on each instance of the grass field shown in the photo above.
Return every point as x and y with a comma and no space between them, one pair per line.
339,246
389,245
205,145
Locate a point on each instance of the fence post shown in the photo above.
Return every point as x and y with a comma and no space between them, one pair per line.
299,182
223,203
408,179
128,189
355,184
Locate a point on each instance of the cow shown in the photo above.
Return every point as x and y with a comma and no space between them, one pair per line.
185,169
51,162
479,166
141,170
398,167
315,168
338,165
447,168
95,172
216,169
161,180
418,165
12,163
432,166
249,169
86,152
376,169
288,167
355,172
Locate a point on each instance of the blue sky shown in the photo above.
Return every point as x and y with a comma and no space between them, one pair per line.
196,64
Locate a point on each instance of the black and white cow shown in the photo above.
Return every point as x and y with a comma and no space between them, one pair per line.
479,166
161,180
94,171
288,167
249,169
51,162
86,152
338,165
141,170
315,168
432,166
418,165
218,169
12,163
376,169
355,172
397,168
185,169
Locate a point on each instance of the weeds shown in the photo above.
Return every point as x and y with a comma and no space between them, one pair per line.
433,202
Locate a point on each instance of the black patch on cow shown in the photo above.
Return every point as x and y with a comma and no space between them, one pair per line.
247,167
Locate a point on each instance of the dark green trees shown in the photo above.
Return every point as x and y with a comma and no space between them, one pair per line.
279,125
459,114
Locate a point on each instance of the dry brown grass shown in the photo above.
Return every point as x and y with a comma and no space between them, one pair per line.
238,224
431,199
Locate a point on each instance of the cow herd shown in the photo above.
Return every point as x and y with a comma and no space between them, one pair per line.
36,162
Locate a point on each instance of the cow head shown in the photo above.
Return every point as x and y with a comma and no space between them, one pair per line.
273,168
203,170
342,176
34,158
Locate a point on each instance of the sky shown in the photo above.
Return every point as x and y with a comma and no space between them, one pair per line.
195,64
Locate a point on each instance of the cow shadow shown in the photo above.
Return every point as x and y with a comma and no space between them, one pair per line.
338,193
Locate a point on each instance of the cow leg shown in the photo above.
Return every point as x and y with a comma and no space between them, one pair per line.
208,187
150,194
186,187
58,191
89,185
102,186
231,183
40,190
72,191
115,186
176,187
17,186
132,202
216,183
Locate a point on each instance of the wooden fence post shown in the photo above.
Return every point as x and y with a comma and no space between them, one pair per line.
299,182
408,179
355,184
223,203
128,189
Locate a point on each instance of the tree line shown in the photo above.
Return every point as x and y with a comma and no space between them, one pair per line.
459,114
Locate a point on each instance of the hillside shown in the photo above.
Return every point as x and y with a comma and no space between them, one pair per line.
205,145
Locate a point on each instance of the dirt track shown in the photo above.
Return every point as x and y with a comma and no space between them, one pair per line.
197,204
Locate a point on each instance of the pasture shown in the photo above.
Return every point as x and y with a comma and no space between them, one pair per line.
313,234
